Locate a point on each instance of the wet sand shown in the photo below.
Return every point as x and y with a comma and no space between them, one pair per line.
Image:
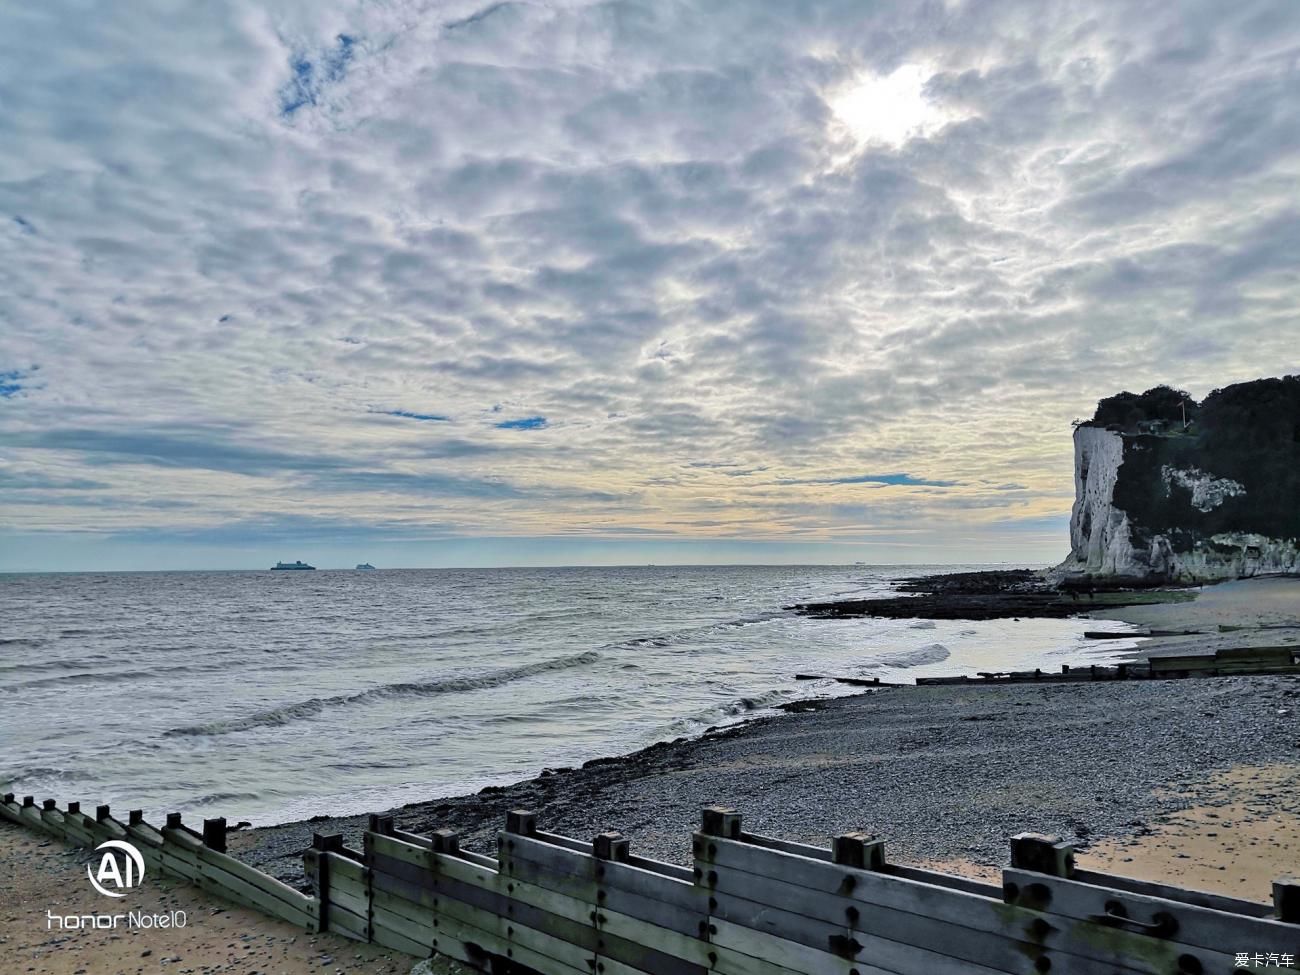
1246,613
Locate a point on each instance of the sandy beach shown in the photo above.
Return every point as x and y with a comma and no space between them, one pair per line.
45,876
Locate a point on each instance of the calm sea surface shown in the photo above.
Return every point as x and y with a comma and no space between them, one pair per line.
278,695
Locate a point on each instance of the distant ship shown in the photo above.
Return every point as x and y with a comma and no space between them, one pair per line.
366,566
291,565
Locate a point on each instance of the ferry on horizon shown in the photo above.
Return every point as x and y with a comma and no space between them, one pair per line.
292,565
365,567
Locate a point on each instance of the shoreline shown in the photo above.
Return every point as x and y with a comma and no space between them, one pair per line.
943,773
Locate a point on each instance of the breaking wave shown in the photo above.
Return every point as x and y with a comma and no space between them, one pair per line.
287,713
932,653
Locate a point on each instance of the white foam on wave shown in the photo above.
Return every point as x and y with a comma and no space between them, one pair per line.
932,653
449,685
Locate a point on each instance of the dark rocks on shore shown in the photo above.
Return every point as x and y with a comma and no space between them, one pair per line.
1000,594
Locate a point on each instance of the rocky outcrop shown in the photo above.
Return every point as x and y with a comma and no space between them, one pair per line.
1169,490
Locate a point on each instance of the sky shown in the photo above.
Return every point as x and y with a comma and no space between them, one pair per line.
454,283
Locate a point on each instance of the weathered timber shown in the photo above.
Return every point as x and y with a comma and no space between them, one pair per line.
750,904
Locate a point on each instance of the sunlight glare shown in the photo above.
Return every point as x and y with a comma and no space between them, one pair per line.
889,108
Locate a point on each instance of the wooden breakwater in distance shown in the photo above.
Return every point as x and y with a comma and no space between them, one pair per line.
1236,662
749,905
200,858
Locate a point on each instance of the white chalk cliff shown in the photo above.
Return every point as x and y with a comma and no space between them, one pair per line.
1105,541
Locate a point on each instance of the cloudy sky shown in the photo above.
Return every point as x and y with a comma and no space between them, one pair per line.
451,283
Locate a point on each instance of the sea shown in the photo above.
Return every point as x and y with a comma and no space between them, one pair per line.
274,696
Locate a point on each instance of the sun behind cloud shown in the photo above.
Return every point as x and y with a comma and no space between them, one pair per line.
889,108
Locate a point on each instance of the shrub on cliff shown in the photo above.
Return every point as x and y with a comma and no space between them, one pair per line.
1126,410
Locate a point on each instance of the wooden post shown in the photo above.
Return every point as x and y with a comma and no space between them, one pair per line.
383,825
135,817
1042,854
9,797
214,834
611,845
1286,899
864,851
49,805
29,801
1121,671
1065,668
521,821
74,807
102,813
445,841
174,821
721,821
319,871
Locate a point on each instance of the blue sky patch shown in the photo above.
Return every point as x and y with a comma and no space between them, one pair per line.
895,479
309,78
11,382
524,423
407,415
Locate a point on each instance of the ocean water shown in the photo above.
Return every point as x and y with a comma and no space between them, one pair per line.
271,696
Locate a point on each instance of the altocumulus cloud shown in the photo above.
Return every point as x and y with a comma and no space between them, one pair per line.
801,240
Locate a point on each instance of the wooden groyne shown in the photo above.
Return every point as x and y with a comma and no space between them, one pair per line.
749,904
1223,663
199,858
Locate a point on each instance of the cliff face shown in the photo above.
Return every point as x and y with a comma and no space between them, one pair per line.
1167,489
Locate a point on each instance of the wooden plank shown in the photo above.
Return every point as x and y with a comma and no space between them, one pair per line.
926,916
346,923
1217,902
649,955
671,904
381,882
1206,929
513,938
187,865
409,853
224,864
689,952
785,846
605,873
381,934
476,944
349,892
455,878
893,940
617,936
397,904
482,859
53,820
416,877
79,829
676,871
766,950
341,865
555,839
417,930
30,816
